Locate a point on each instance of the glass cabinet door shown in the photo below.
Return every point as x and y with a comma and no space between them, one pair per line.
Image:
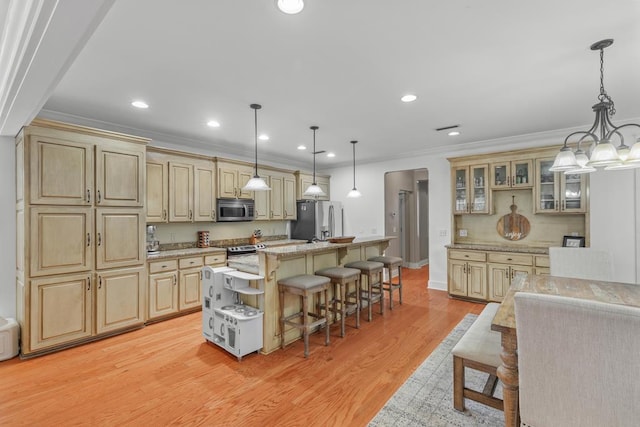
479,201
572,193
500,175
546,187
521,173
461,186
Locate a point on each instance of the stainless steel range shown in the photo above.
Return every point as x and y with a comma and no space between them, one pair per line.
226,320
244,249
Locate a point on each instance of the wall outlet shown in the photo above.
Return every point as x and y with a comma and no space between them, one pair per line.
443,233
462,232
575,233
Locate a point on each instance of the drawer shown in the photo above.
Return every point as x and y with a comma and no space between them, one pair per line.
164,265
215,259
468,255
195,261
511,258
542,261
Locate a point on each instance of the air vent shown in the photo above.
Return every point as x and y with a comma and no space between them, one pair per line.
447,128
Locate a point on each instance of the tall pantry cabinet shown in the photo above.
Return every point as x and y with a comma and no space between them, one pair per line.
80,269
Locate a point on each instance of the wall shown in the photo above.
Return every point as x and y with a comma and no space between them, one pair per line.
187,232
7,227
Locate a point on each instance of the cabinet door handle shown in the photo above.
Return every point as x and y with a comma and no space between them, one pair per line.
89,283
99,197
556,205
563,205
88,196
99,239
99,282
506,273
164,214
175,280
88,239
285,213
509,259
213,214
190,214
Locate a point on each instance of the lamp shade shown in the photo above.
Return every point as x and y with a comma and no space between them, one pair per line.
354,193
604,154
256,184
565,160
314,190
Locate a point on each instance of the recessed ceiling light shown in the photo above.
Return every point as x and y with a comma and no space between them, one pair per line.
454,133
301,147
408,98
290,7
213,124
330,154
140,104
263,137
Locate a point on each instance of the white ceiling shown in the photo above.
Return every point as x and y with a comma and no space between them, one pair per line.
497,68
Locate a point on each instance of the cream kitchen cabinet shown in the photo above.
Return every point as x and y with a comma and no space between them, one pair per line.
556,192
304,180
120,299
279,203
541,265
503,267
63,168
512,174
180,188
79,216
163,288
231,178
471,189
157,191
174,283
467,274
60,311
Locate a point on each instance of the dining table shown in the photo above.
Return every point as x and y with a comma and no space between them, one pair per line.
505,322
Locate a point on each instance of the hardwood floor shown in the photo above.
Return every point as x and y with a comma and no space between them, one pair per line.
167,374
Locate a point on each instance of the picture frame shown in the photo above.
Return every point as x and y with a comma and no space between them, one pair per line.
573,242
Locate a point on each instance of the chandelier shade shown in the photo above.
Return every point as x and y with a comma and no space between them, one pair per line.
314,189
604,153
256,183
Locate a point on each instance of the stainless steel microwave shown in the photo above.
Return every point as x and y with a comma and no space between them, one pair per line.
235,210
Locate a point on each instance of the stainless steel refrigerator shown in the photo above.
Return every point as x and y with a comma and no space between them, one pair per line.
317,220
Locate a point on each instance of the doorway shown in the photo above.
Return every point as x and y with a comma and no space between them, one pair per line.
407,215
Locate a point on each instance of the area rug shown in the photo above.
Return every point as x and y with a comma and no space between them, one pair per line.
426,398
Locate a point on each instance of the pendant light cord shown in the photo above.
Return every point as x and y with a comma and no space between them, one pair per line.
255,128
354,162
314,128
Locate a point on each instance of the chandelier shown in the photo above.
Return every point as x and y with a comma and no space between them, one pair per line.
602,132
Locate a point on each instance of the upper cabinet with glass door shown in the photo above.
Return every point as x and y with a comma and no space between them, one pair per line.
471,193
511,174
556,192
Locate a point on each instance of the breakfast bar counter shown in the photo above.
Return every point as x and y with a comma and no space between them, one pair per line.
275,263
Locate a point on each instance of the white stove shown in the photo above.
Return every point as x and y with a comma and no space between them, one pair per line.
226,321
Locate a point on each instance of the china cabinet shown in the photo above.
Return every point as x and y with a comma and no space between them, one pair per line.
557,192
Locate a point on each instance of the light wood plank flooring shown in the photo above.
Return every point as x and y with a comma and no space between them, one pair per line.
167,374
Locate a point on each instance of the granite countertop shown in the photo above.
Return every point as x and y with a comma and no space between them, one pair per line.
283,242
499,248
175,253
321,246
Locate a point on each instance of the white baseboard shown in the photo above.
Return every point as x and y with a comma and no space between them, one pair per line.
440,286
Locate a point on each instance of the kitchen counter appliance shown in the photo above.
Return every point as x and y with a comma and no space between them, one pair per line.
317,220
226,320
234,210
153,245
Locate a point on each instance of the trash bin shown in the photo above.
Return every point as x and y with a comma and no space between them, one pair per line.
9,331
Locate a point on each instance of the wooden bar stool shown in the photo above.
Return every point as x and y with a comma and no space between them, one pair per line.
304,285
341,278
391,262
374,293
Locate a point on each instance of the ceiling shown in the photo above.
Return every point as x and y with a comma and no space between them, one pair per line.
497,68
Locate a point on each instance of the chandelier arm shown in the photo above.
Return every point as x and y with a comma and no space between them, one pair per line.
616,129
580,132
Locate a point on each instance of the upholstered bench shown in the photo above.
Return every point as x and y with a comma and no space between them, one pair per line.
479,349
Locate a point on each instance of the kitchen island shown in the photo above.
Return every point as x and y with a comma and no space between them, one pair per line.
277,263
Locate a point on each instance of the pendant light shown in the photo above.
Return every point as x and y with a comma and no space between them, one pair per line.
354,193
314,189
602,132
256,183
